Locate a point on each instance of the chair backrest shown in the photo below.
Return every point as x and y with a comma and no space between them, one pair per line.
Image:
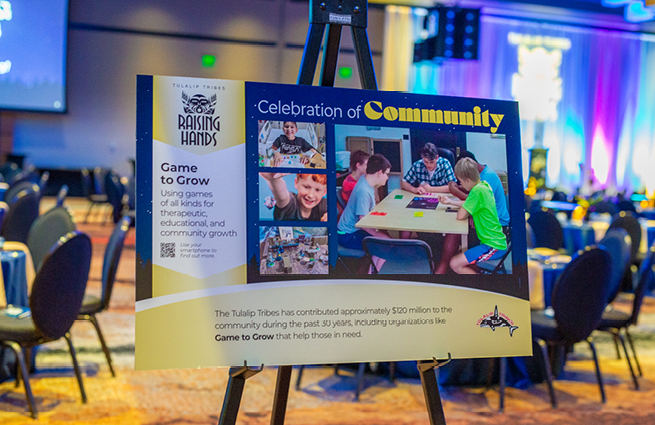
22,213
402,256
547,230
4,209
626,205
604,206
46,231
580,294
625,220
618,244
87,184
645,284
15,189
99,178
130,190
529,234
559,196
59,286
112,257
448,154
43,181
8,169
115,191
61,195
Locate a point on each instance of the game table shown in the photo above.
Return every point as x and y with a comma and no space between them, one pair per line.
443,219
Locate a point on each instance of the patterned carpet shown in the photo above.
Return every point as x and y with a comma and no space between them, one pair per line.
195,396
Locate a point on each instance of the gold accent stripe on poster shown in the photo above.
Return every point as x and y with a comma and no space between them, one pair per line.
167,282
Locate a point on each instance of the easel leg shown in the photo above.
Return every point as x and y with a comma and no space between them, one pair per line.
281,395
364,59
432,396
233,393
330,55
310,54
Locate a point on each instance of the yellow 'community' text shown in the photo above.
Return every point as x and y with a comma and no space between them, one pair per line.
374,111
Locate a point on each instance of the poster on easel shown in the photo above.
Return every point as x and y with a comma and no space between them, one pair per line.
246,254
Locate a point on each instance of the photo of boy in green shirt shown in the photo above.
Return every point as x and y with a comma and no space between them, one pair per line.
481,205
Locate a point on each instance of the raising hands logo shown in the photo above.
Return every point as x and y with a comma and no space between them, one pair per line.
199,104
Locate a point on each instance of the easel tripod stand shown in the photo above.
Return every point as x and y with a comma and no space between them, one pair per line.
334,14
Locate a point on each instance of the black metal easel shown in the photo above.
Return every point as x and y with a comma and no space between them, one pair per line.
334,14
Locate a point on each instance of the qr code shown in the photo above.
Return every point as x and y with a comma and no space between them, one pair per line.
167,250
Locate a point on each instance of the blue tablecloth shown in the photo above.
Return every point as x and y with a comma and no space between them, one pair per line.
551,273
578,236
648,213
13,272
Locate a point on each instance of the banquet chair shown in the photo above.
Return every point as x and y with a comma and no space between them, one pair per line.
20,177
92,305
54,303
628,222
15,189
604,207
46,230
578,301
61,196
115,192
618,244
43,181
4,209
93,192
8,169
626,205
559,196
547,230
401,256
22,213
529,235
614,321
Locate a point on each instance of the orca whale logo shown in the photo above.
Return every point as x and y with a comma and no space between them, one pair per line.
199,104
497,321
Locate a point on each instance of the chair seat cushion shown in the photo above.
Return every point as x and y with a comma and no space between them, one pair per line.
544,327
350,252
91,304
20,330
98,198
614,319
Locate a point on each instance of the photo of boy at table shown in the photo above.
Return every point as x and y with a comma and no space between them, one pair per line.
290,144
451,241
308,204
358,162
481,205
430,174
361,202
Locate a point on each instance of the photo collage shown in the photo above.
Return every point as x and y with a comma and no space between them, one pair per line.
405,201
